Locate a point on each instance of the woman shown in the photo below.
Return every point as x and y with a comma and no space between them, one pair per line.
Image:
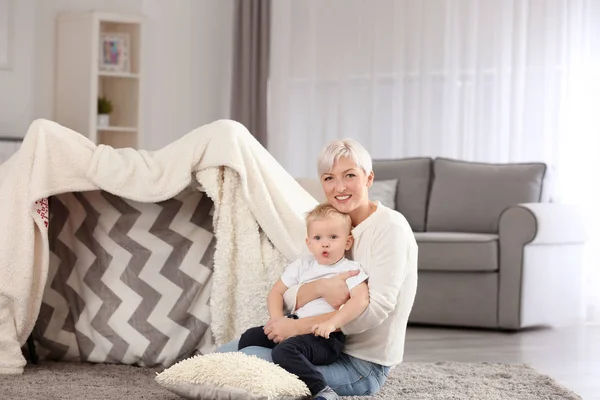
386,248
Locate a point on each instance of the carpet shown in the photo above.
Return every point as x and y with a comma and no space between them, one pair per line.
414,381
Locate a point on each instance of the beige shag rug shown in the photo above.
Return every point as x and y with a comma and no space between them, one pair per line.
413,381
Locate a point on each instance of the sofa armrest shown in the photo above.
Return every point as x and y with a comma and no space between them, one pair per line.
542,223
538,242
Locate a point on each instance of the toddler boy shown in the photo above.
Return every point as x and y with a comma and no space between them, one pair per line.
329,236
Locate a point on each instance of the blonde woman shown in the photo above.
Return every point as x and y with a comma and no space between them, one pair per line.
385,247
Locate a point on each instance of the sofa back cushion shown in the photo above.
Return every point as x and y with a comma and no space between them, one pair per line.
469,196
413,176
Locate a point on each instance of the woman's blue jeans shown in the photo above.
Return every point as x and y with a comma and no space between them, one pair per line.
348,376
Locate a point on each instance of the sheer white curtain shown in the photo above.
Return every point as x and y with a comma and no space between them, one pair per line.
486,80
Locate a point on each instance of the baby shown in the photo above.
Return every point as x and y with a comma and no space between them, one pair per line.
329,236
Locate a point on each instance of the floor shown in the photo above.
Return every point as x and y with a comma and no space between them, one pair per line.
570,355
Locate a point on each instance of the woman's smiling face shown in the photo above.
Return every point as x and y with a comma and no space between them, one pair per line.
346,185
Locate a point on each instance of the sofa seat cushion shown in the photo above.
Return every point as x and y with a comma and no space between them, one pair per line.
457,299
458,252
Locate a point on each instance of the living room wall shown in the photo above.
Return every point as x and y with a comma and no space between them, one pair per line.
187,61
28,85
16,83
188,67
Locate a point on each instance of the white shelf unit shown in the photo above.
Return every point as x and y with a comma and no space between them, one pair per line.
80,81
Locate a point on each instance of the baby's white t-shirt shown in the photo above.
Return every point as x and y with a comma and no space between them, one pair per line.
307,269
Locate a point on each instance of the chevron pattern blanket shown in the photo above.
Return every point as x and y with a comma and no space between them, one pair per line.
112,256
128,282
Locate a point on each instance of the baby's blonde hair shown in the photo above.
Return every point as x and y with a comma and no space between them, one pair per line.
326,211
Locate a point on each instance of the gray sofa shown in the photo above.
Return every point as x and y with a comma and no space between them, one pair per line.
494,251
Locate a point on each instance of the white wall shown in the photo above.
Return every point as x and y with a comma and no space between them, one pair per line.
187,64
16,84
28,87
188,81
46,12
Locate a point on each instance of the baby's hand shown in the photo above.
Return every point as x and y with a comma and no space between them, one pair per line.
324,329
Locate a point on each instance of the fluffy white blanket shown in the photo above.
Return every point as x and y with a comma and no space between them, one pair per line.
258,216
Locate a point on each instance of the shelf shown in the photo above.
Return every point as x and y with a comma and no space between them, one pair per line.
111,74
80,39
117,129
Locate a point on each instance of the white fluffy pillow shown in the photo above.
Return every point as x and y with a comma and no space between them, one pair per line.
384,192
231,376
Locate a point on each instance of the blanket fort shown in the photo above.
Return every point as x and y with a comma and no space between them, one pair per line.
258,215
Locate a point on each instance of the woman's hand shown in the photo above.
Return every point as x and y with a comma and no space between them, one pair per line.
271,320
280,329
335,290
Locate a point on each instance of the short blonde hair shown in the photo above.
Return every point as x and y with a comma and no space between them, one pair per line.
326,211
344,148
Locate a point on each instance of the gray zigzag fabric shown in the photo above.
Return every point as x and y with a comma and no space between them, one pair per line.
128,282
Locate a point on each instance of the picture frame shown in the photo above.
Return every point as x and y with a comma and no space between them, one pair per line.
114,52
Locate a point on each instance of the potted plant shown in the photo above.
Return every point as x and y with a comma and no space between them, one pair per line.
105,107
